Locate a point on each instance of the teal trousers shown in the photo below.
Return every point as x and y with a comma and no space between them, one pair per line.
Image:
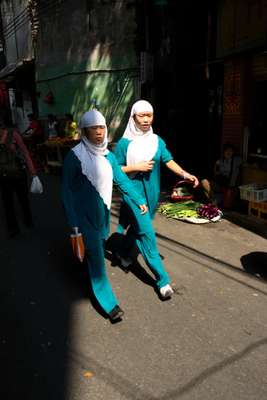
95,257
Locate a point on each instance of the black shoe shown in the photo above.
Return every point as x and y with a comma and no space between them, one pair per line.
116,314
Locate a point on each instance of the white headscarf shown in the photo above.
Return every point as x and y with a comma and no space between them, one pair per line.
143,146
94,164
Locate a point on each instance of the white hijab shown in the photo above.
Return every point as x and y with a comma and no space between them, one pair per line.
94,164
143,146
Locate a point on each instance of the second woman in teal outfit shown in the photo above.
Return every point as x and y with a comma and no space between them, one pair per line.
140,153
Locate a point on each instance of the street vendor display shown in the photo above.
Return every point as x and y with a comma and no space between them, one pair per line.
54,150
185,208
191,211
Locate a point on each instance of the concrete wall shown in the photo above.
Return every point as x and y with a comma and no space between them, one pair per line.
86,56
241,25
16,28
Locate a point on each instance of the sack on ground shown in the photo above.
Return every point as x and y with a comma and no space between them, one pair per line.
77,245
36,185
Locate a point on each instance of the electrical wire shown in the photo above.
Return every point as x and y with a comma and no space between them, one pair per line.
14,20
14,26
24,18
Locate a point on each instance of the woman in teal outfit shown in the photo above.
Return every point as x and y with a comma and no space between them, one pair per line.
88,173
140,153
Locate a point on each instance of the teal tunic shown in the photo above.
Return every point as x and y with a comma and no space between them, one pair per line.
86,210
83,205
140,229
147,184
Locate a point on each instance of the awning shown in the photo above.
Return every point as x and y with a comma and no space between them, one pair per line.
9,70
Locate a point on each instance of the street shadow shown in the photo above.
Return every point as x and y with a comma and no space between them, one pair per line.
215,369
255,263
248,223
75,274
40,282
35,319
192,253
201,258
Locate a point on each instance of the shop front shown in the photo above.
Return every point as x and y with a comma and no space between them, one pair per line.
255,137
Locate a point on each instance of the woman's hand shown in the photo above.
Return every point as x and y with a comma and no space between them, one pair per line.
174,167
143,209
145,166
191,178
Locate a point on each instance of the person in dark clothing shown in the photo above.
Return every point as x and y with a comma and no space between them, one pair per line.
15,185
33,136
227,175
34,132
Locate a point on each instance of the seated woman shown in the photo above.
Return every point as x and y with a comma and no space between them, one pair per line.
227,176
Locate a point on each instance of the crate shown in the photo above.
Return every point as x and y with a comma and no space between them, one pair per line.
253,192
258,209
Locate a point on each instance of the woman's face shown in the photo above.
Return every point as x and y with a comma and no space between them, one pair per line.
143,120
228,153
95,134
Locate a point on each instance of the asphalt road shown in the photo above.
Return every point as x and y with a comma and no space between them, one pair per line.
208,342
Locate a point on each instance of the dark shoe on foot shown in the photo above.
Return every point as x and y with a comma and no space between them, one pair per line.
116,314
126,262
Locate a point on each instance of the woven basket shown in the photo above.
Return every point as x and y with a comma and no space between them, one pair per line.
178,197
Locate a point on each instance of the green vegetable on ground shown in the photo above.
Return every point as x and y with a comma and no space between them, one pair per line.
180,210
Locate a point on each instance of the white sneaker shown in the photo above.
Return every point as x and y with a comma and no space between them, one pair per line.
166,291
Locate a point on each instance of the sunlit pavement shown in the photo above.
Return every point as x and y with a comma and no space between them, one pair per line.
208,342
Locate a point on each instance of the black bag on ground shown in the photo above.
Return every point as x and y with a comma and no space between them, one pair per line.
11,166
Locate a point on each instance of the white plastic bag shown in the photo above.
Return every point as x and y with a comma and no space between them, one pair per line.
36,185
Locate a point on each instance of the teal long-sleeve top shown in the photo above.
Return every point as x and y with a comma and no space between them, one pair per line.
146,183
83,205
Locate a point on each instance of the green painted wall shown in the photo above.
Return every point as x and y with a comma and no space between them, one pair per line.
85,55
111,92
